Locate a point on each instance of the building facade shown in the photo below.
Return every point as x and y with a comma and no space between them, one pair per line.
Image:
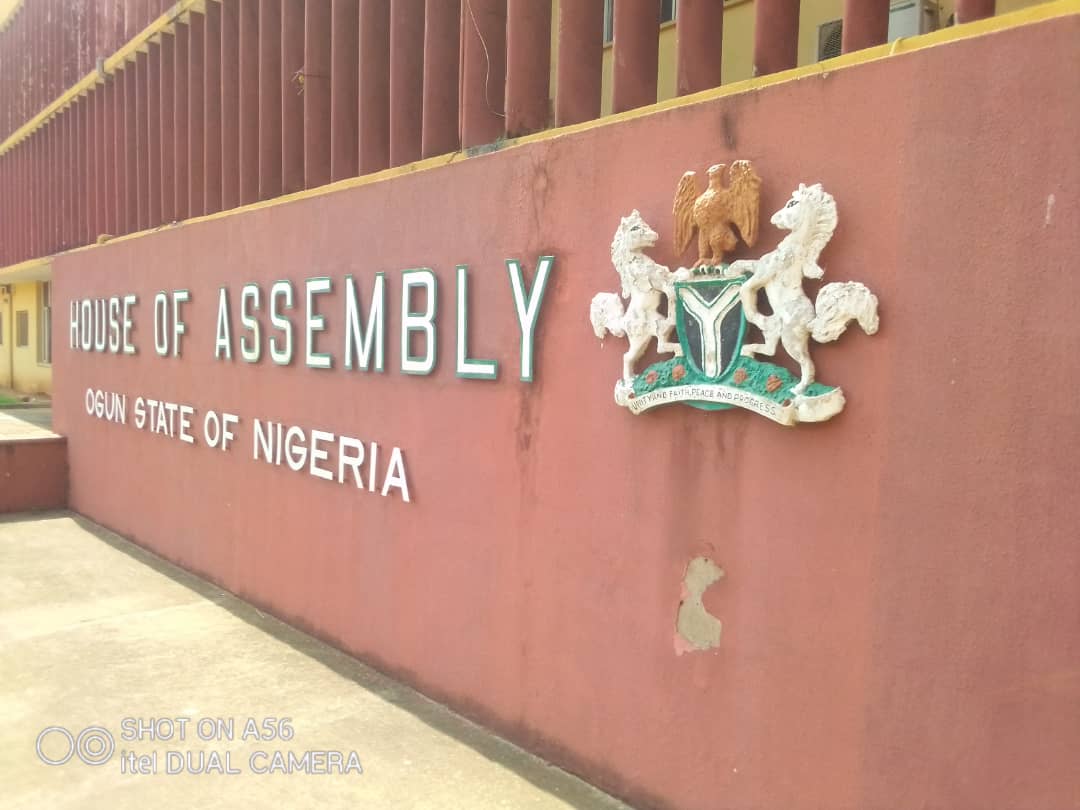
330,284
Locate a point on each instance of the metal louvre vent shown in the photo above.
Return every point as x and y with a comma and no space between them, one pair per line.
830,36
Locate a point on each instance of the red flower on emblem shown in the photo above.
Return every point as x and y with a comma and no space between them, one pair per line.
773,383
740,376
651,377
678,373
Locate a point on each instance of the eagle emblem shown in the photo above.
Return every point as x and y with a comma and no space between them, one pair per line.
716,210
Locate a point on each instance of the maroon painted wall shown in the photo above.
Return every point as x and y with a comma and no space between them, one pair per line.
33,475
901,605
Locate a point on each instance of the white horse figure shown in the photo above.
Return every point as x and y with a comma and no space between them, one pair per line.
644,282
810,215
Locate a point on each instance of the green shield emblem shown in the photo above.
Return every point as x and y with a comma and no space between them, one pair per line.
711,324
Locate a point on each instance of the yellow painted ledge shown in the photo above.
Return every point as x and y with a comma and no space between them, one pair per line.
1027,16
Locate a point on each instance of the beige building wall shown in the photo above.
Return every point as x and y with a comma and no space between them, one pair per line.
19,366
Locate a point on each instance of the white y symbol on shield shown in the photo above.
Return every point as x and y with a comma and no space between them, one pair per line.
709,316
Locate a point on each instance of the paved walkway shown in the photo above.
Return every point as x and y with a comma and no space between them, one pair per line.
94,632
25,423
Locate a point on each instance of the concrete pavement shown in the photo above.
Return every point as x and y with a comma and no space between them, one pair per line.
98,635
26,423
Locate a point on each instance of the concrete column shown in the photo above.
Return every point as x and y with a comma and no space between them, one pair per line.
107,156
196,112
442,41
292,102
317,36
528,66
483,71
66,172
230,107
131,151
579,69
269,99
776,36
406,80
374,150
248,120
636,51
699,27
212,168
90,190
344,91
153,121
866,23
179,123
968,10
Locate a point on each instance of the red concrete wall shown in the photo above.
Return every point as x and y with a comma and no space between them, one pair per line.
901,605
33,475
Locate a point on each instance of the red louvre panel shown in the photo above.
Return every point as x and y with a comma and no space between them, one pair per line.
153,129
60,181
168,128
131,151
292,102
528,66
212,109
968,10
700,28
100,177
316,94
230,105
180,122
249,101
142,142
75,135
636,53
866,23
344,88
406,80
483,71
90,129
776,36
374,92
26,210
196,113
53,199
442,41
269,99
107,152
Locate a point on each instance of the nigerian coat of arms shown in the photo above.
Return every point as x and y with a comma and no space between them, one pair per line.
699,314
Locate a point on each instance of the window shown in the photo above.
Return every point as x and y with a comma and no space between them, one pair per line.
667,14
22,329
44,322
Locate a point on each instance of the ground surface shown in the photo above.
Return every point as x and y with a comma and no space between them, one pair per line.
93,631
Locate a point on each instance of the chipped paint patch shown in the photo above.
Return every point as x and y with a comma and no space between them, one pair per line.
695,628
